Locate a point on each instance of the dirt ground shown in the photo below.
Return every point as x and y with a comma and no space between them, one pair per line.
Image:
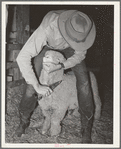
102,132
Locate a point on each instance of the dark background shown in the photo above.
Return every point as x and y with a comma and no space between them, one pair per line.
100,55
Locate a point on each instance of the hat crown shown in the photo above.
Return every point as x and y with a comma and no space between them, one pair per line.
79,24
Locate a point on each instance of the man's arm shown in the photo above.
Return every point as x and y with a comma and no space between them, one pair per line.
32,47
70,62
30,50
75,59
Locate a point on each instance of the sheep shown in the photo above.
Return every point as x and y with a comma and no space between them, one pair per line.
64,96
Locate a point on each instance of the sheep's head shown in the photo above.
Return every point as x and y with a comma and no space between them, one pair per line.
52,58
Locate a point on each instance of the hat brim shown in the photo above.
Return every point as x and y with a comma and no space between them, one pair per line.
76,45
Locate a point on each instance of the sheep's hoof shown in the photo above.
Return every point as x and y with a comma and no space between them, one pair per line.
54,134
44,132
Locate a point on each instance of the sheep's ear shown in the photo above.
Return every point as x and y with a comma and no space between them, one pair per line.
63,60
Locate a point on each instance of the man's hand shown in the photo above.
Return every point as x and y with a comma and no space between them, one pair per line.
43,90
52,69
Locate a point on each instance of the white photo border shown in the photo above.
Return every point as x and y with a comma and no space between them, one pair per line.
116,95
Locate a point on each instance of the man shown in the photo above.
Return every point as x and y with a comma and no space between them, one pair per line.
72,33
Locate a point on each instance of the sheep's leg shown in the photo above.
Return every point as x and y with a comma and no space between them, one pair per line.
55,127
46,124
55,122
97,99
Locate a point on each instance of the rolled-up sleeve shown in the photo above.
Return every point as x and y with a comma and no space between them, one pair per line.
32,48
75,59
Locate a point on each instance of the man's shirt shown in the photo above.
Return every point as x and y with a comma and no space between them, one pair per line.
47,34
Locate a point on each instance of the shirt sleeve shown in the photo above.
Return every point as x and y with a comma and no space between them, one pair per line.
31,49
75,59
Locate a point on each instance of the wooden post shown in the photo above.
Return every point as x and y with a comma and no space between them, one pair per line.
12,55
22,23
21,29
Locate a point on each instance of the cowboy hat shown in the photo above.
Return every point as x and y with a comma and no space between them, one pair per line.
77,29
